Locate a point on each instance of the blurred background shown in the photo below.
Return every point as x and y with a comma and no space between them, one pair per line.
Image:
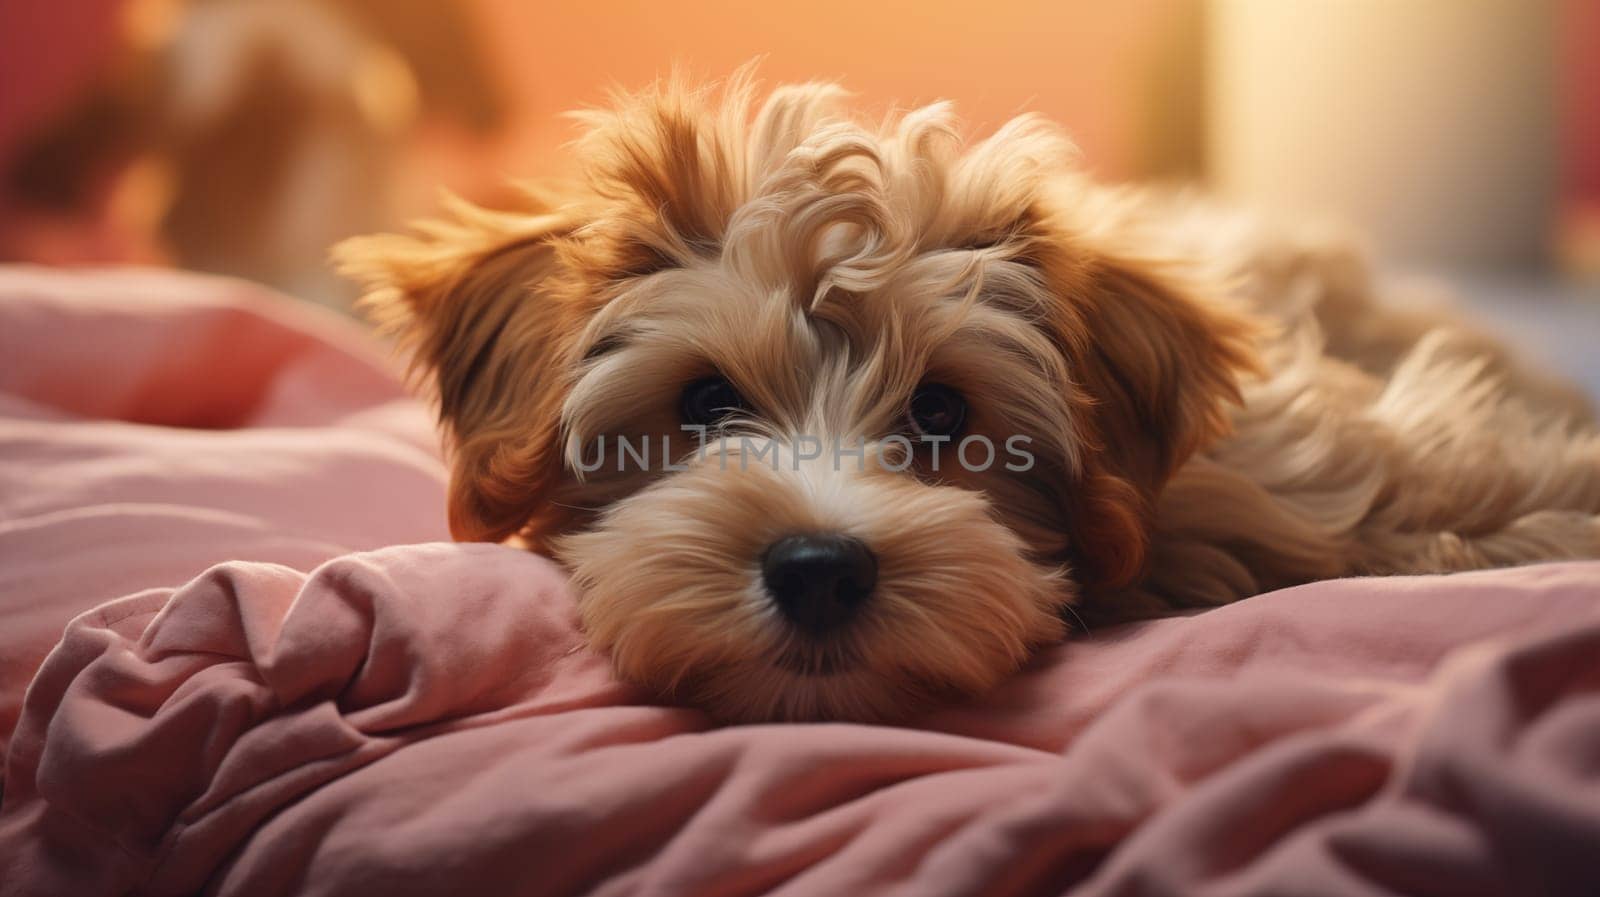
245,136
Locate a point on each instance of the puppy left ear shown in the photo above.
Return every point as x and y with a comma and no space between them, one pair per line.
1162,361
1159,359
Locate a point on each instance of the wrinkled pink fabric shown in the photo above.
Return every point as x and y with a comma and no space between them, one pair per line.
423,719
154,424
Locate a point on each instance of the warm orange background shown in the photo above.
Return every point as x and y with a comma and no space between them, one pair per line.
1122,77
1128,81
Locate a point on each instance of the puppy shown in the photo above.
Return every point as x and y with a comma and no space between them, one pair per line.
829,418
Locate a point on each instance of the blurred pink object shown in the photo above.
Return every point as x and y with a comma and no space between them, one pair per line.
1580,120
49,52
424,719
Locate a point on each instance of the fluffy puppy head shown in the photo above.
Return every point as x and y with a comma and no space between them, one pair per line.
826,417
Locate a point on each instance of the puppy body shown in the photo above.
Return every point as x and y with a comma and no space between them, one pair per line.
1387,436
1209,408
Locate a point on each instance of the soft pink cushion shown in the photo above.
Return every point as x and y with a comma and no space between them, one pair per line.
423,719
154,424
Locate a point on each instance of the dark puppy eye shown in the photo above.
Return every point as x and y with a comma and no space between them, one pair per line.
937,410
708,400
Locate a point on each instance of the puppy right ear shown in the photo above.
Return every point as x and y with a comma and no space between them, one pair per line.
481,302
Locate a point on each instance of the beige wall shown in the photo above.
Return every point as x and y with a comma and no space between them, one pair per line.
1428,124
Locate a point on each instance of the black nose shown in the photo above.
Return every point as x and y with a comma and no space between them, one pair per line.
819,581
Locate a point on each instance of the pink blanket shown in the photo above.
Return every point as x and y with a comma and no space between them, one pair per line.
423,718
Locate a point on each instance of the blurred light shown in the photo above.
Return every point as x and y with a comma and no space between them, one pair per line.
1428,124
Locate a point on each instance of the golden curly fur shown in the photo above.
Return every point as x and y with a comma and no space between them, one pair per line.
1214,408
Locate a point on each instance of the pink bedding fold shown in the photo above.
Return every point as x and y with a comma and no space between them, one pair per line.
424,719
153,424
